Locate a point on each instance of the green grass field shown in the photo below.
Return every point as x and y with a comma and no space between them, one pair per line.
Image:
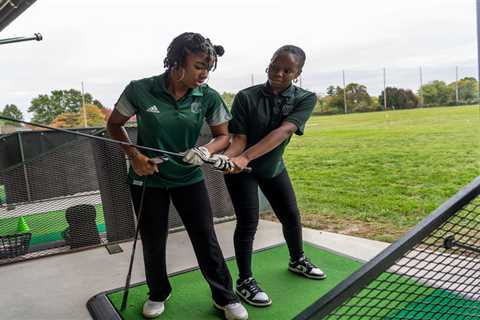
378,174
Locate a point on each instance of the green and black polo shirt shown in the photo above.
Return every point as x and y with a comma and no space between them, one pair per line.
170,125
257,111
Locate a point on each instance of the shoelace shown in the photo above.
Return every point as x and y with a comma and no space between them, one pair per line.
253,287
307,263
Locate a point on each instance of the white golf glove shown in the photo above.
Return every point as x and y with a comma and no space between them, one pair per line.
197,156
221,162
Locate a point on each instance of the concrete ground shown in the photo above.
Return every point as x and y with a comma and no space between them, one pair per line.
58,287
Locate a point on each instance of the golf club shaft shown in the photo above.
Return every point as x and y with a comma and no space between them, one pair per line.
177,154
132,256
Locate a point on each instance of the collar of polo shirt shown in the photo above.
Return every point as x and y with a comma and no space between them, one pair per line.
267,90
160,87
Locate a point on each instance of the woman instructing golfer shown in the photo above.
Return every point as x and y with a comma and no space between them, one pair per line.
170,110
264,118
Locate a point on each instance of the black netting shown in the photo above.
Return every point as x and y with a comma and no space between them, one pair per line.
61,192
436,277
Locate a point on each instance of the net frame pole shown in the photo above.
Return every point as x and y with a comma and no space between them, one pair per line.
478,46
385,259
36,37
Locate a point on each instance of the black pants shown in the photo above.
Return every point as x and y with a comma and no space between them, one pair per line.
243,189
193,207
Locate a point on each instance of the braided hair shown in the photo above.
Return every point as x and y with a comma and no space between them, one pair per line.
296,51
190,42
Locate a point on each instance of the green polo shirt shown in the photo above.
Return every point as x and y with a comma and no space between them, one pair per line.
257,111
170,125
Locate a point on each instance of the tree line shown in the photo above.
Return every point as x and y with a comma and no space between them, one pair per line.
69,109
355,97
61,109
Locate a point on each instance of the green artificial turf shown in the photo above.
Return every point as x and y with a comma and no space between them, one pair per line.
3,196
290,293
46,226
392,296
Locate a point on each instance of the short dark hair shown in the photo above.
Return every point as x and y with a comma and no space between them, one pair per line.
190,42
296,51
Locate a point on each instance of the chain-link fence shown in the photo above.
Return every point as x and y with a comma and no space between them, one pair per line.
61,192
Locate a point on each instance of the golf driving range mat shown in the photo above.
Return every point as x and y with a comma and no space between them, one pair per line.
191,297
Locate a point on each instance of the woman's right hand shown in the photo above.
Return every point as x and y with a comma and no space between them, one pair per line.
240,162
143,166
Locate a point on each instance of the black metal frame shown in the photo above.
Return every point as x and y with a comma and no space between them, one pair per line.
385,259
11,11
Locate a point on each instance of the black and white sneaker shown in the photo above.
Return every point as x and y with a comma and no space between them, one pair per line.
252,294
304,267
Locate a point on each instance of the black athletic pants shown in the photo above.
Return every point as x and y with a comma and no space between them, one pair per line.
243,189
194,209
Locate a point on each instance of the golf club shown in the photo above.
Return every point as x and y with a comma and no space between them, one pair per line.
132,256
170,153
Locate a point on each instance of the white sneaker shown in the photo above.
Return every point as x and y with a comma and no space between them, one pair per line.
152,309
304,267
252,294
233,311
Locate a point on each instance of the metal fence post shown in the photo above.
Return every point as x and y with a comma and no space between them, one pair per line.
25,172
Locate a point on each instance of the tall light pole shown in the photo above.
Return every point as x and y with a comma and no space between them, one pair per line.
456,85
478,44
84,108
345,91
384,89
421,85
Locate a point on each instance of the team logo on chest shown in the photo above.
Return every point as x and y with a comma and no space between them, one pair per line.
195,107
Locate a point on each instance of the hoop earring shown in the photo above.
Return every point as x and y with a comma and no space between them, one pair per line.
295,80
266,70
183,75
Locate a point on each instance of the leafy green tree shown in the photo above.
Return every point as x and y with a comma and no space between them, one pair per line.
12,111
333,102
331,90
320,104
98,104
45,108
467,90
435,93
358,99
228,98
399,98
95,118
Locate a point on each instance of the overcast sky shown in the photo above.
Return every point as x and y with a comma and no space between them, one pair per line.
107,43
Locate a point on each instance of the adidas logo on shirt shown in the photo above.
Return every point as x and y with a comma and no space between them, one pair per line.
153,109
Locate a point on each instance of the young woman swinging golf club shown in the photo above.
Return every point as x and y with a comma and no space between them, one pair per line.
170,110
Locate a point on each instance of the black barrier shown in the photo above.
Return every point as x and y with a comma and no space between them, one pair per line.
63,171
